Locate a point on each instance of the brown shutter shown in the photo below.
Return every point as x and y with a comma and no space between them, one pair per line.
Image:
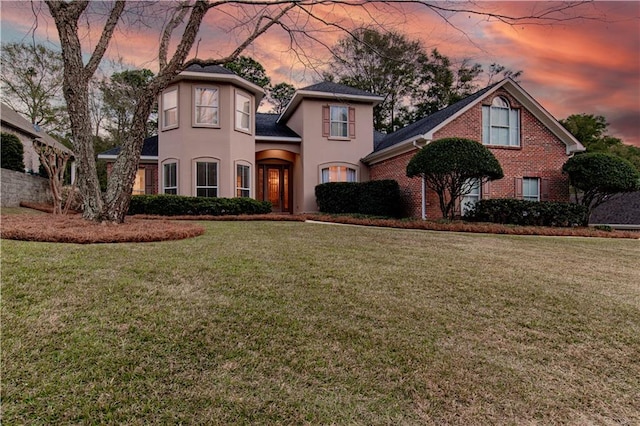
148,181
326,121
352,122
518,187
544,189
485,191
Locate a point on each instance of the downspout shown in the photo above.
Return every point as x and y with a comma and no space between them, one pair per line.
423,192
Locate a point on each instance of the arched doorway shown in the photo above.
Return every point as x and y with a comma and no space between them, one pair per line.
275,179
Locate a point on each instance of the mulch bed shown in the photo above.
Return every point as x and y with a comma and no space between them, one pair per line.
75,229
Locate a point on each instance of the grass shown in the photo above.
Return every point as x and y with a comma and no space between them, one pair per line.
294,323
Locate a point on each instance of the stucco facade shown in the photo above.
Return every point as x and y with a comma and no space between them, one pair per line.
285,157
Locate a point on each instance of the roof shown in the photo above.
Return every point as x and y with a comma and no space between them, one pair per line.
620,209
423,130
336,88
149,150
218,73
13,119
267,126
428,123
210,69
330,91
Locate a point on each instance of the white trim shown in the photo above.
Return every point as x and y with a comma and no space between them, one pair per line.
115,157
277,139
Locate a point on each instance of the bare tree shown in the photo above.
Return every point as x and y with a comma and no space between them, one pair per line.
54,160
303,20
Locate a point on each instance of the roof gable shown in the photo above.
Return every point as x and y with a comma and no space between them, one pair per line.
425,128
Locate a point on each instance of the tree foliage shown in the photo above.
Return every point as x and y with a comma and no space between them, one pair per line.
448,165
596,176
280,95
119,95
384,63
31,78
12,152
249,69
592,132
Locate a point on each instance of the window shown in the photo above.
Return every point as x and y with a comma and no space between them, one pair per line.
170,178
338,174
170,109
206,106
206,179
243,181
531,189
472,197
338,122
139,183
500,124
243,112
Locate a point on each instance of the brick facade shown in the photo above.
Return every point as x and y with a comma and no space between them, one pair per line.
540,155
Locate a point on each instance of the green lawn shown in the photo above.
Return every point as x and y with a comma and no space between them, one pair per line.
294,323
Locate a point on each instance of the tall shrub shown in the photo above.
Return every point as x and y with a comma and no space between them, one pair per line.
12,152
596,176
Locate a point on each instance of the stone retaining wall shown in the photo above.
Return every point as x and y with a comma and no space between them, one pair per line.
16,187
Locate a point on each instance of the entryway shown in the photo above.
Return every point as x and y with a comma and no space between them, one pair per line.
275,185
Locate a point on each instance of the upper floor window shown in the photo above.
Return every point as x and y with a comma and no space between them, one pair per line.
243,181
170,178
170,109
206,179
338,174
339,122
500,124
206,106
243,112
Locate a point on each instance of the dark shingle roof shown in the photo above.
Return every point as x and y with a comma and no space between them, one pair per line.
428,123
266,125
621,209
337,88
211,69
149,148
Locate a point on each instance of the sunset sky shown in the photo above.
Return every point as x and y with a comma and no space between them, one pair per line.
589,65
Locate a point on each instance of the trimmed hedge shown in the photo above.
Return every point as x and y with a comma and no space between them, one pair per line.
12,152
178,205
376,198
527,213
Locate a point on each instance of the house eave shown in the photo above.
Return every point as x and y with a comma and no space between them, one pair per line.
397,149
311,94
256,90
115,157
278,139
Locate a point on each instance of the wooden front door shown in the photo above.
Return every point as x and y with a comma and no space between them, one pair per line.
274,185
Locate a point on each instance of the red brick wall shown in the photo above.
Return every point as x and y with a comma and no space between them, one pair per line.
540,155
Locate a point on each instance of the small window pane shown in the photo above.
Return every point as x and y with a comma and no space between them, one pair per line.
206,179
243,181
243,112
170,108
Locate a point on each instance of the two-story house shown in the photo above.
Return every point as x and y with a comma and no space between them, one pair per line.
212,142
